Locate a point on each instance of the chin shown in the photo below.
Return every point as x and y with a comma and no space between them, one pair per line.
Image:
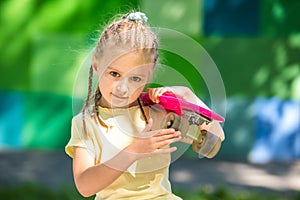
120,104
124,104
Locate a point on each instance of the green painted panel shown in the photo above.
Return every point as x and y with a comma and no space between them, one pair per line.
47,122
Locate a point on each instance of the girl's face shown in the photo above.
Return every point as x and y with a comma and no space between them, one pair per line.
124,79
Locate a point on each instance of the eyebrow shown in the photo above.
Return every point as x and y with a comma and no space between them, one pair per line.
110,67
134,73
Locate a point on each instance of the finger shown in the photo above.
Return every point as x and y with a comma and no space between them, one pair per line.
165,151
155,95
161,132
176,134
149,125
164,143
161,91
156,133
151,92
147,130
158,93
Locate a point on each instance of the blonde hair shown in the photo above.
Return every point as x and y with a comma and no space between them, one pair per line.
122,36
125,35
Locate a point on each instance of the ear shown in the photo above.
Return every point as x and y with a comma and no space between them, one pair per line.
95,64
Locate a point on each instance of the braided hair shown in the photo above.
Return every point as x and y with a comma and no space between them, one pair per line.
129,33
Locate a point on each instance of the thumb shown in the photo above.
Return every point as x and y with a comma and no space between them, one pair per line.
147,130
149,125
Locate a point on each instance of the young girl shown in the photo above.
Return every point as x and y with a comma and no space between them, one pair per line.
119,150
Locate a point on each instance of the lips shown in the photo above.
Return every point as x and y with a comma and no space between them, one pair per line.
119,97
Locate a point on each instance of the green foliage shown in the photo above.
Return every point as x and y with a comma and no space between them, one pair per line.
222,193
44,42
41,40
50,124
266,65
280,17
37,192
254,67
24,22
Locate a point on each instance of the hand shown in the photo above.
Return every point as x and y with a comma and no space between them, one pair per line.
181,92
153,142
155,93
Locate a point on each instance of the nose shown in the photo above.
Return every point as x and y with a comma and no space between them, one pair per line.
122,87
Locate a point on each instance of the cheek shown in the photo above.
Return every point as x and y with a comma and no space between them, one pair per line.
105,86
136,93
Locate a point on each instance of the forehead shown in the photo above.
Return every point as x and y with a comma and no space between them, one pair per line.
131,62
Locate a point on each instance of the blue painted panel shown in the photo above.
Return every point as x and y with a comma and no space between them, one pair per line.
277,130
11,119
231,17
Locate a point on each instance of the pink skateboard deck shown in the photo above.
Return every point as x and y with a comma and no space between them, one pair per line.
171,103
186,117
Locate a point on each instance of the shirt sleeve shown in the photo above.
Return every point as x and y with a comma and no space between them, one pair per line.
77,136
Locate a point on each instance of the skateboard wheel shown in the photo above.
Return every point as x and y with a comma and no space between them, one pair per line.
176,122
208,144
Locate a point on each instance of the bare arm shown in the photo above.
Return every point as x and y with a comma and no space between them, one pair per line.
91,179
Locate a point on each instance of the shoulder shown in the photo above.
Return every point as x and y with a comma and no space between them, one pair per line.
80,118
77,119
87,115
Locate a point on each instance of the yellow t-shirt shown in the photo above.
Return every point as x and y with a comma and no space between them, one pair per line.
147,178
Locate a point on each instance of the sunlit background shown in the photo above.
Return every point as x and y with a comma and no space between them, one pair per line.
255,45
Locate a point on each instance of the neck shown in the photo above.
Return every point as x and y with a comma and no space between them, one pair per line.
104,104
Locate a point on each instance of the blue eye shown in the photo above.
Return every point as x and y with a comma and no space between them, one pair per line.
136,79
114,74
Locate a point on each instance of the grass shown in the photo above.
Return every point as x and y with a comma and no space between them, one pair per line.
222,193
37,192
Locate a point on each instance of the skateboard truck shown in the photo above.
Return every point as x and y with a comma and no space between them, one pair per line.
187,117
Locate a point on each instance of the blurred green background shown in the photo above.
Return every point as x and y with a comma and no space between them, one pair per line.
255,45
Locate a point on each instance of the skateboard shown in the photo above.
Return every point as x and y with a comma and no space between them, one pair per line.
187,117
